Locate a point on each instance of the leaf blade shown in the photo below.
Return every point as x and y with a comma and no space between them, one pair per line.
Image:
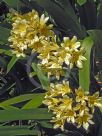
42,77
11,63
84,73
4,34
19,99
35,102
16,130
23,114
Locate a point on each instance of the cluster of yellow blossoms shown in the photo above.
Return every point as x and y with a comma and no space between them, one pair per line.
72,106
31,32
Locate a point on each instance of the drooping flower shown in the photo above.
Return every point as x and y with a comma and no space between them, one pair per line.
80,95
84,120
81,108
45,29
70,44
66,103
77,58
51,103
94,100
58,123
70,116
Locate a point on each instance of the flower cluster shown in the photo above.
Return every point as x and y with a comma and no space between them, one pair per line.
72,106
55,58
30,31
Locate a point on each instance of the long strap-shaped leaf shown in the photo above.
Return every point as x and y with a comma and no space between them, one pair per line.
35,102
84,73
97,38
63,16
23,98
13,3
17,131
11,63
4,34
22,114
41,75
99,17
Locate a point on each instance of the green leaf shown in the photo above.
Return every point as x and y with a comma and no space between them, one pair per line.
17,131
99,17
88,16
13,3
97,38
81,2
19,99
1,43
11,63
84,73
46,124
4,34
71,14
42,77
35,102
2,51
8,52
23,114
8,107
64,17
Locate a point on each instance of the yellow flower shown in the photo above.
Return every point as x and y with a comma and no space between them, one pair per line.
63,115
63,88
77,58
43,20
84,120
80,95
70,53
69,115
63,56
59,123
19,46
57,72
94,100
51,102
18,53
30,31
33,19
60,89
43,28
48,49
70,44
57,110
20,27
82,108
49,61
66,103
36,43
64,109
